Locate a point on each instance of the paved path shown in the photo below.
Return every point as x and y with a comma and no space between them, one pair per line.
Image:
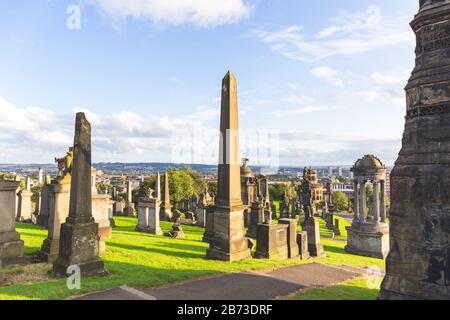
240,286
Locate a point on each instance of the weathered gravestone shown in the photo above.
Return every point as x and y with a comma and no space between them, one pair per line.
11,247
228,241
79,239
418,264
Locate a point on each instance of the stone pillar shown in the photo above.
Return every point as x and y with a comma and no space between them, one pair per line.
356,201
79,240
376,202
166,213
229,242
383,201
315,247
158,186
293,250
129,205
143,212
362,202
59,199
153,217
11,247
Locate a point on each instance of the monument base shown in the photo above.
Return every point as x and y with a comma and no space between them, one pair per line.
228,242
79,245
11,248
368,240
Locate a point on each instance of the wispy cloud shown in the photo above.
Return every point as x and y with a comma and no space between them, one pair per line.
203,13
328,74
348,34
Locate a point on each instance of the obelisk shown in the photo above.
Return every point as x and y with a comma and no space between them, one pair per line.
79,240
228,241
418,265
166,213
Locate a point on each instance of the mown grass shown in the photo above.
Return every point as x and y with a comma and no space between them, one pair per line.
141,260
360,289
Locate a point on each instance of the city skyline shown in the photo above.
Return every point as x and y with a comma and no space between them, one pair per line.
145,75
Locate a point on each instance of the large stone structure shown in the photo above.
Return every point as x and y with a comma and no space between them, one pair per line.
58,209
228,241
166,212
11,247
272,241
368,235
101,214
79,240
418,264
149,214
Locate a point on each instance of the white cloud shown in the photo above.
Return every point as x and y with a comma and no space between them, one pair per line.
349,33
328,74
297,111
202,13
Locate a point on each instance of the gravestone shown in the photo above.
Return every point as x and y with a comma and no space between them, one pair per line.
271,241
42,218
37,201
176,232
337,230
100,212
302,242
166,213
148,216
209,226
228,242
11,247
293,250
418,264
79,240
24,206
256,217
129,205
59,200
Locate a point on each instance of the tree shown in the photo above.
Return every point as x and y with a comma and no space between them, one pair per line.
181,185
199,181
276,191
212,188
342,204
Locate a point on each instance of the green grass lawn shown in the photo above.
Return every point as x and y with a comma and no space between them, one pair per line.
360,289
141,260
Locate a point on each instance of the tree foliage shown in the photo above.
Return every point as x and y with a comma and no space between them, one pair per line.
342,204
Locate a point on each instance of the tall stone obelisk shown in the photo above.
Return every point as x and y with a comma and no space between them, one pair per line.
418,265
228,241
79,240
166,213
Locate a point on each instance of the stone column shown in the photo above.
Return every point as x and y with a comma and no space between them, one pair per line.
229,242
362,204
166,212
383,201
79,240
158,187
356,201
376,202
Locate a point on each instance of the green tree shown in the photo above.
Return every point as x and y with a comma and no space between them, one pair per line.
181,185
276,191
199,181
212,188
342,204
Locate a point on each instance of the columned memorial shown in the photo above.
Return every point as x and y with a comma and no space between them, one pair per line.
418,264
369,235
79,239
228,241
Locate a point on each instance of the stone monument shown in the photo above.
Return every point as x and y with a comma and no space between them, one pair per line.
129,205
228,241
11,247
24,205
166,213
369,237
42,218
310,224
418,264
79,240
293,250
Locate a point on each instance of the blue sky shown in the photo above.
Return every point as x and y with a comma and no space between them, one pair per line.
324,78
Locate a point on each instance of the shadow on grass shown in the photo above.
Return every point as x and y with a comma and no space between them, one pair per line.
355,290
133,275
178,254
